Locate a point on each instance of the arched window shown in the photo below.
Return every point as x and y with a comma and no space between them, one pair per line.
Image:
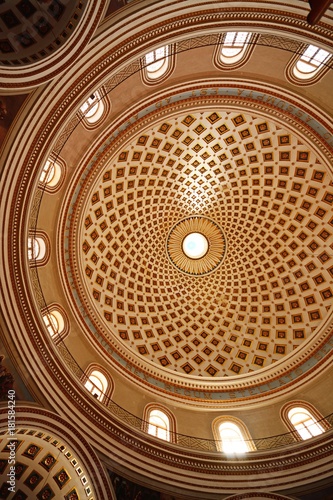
234,49
304,423
303,418
159,422
310,62
158,64
231,435
98,382
95,109
232,439
55,322
157,61
52,174
309,67
92,109
159,425
38,249
233,45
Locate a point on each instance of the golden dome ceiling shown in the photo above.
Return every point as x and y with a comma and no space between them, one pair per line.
244,149
272,198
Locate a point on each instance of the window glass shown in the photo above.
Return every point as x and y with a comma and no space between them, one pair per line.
97,384
93,107
159,425
234,44
54,322
157,61
304,423
36,248
51,173
232,439
47,172
310,62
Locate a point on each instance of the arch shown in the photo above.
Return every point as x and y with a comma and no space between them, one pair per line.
234,49
56,322
303,418
38,246
158,64
231,435
160,422
52,174
98,382
94,109
308,67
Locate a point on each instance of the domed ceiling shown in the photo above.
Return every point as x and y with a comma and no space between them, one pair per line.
241,327
44,467
269,198
32,30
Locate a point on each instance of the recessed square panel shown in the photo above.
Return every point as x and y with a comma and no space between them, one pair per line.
25,39
32,451
26,8
45,493
61,478
48,461
9,18
42,26
33,480
72,495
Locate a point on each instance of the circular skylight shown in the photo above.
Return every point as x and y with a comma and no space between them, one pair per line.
195,245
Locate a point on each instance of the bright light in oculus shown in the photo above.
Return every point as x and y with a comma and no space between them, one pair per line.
195,245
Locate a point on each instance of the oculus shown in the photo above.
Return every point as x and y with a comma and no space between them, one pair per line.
196,245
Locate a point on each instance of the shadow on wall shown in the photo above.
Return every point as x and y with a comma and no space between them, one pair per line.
9,106
126,490
10,379
6,380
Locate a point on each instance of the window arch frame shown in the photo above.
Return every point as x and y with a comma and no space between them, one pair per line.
310,410
169,62
317,74
105,396
102,101
43,237
242,429
244,56
60,171
149,408
48,318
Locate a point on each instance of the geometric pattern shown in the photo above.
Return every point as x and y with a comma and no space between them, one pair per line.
271,196
24,28
44,467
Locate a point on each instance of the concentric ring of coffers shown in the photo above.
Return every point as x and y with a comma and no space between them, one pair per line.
269,192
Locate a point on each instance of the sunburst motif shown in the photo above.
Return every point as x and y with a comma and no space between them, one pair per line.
214,254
